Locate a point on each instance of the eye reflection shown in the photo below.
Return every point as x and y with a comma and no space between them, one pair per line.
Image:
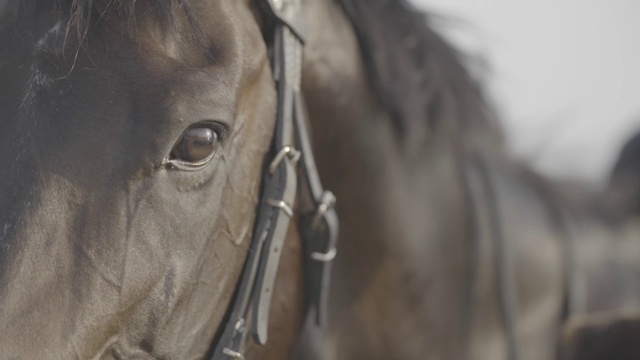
196,145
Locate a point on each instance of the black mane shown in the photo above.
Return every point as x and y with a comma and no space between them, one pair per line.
415,72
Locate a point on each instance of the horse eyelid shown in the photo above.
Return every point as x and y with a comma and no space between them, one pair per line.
222,131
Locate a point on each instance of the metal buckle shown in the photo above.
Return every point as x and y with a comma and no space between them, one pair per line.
278,4
294,155
288,12
233,354
281,205
325,257
327,202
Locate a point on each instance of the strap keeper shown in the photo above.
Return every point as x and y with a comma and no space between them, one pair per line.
281,205
293,154
326,257
232,354
327,202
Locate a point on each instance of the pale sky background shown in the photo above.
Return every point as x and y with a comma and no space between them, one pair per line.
565,75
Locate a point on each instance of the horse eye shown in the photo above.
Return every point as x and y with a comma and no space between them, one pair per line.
196,145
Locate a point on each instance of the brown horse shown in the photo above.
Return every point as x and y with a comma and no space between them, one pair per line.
449,249
623,192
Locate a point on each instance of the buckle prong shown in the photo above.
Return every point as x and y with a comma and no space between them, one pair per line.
327,202
290,151
281,205
233,354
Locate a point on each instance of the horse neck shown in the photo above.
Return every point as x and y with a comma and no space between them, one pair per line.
402,209
404,215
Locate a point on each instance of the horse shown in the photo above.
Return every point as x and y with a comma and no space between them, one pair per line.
137,143
623,192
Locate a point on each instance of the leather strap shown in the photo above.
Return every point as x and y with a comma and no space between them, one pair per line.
290,49
319,224
287,12
274,212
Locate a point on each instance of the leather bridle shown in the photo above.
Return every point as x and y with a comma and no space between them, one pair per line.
290,148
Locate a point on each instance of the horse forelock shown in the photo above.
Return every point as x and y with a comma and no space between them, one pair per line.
62,29
77,17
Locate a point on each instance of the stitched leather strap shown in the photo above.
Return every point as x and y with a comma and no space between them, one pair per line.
279,189
289,88
276,207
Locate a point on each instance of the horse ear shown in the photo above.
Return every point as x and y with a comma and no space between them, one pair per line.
622,195
601,337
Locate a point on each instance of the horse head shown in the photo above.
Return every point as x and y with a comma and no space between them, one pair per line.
133,137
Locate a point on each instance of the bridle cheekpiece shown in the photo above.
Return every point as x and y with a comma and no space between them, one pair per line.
290,151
